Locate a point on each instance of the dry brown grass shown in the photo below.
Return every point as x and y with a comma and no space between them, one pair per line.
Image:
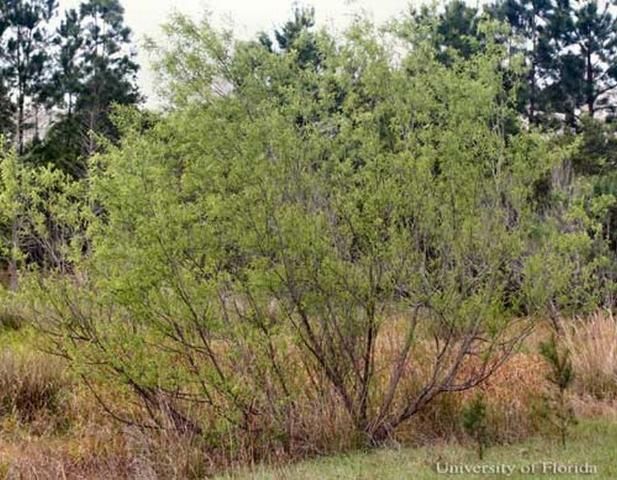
592,343
31,385
75,440
511,395
93,446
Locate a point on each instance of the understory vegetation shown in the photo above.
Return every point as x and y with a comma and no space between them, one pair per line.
329,244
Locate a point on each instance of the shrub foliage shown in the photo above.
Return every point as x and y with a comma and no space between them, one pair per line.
363,229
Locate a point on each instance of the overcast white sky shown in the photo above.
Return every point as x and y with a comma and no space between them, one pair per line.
248,16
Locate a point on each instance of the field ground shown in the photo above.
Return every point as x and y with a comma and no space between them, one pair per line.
592,441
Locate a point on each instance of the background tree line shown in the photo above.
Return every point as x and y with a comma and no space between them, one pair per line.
61,72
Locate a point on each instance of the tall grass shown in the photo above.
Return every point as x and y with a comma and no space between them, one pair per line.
592,343
30,384
33,388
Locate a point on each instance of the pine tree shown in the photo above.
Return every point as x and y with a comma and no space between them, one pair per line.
296,34
24,56
93,69
63,143
532,23
7,111
7,108
571,51
67,76
475,423
109,68
590,57
454,31
561,374
459,28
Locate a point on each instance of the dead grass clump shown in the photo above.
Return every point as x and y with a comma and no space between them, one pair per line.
167,454
512,395
310,427
50,459
30,384
592,343
92,447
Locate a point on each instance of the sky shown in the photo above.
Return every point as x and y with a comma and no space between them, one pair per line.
247,17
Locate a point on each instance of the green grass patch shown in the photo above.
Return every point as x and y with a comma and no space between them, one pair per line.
592,442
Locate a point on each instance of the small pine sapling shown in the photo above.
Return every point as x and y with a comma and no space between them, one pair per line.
475,423
561,375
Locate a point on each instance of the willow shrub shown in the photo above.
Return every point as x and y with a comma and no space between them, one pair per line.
356,231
